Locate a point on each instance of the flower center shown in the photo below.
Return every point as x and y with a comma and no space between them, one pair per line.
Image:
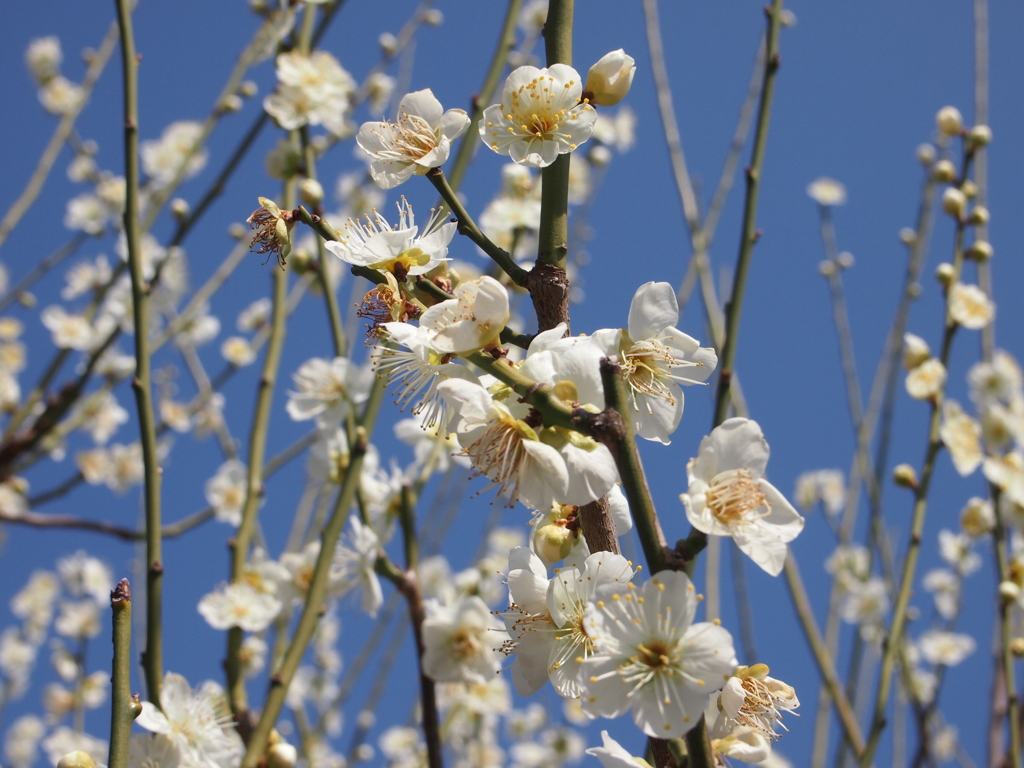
465,645
499,453
407,140
735,496
655,655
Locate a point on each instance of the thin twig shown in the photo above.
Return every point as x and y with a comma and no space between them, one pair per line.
124,707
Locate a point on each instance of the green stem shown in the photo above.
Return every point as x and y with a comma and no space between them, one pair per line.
749,234
142,383
317,592
124,707
892,643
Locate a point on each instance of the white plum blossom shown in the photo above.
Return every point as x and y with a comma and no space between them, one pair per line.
461,641
915,351
609,80
400,250
325,389
827,192
925,381
945,588
226,491
238,351
239,604
752,699
544,618
824,485
614,755
353,566
656,359
198,722
970,306
649,656
962,437
69,331
43,58
999,380
728,495
420,139
540,117
470,321
176,151
86,576
505,448
945,648
312,90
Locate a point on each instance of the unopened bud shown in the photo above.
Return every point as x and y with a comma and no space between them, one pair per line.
232,103
944,171
979,136
364,752
945,274
76,759
610,78
1008,590
826,268
600,155
969,188
553,543
387,42
954,202
248,89
366,719
282,755
27,300
433,18
905,476
980,250
311,192
1017,646
914,290
908,235
949,121
238,231
979,216
915,351
301,261
845,260
180,208
925,154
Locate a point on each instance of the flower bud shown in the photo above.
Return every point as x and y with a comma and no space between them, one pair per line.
180,208
600,155
954,202
609,79
979,216
914,290
364,752
980,250
949,121
977,518
76,759
366,719
979,136
826,268
388,43
1008,591
970,189
944,171
311,192
301,261
237,231
845,260
433,18
908,235
915,351
27,300
905,476
553,543
282,755
925,154
1017,646
248,89
232,103
945,274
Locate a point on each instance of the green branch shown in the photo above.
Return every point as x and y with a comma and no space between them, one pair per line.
124,707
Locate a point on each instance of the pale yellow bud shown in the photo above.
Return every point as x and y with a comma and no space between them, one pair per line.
232,103
238,231
248,89
980,136
826,268
915,351
980,250
610,78
908,235
977,517
954,202
970,189
282,755
926,154
944,171
433,18
845,260
76,759
945,274
1017,646
180,208
949,121
311,192
905,476
979,216
553,543
388,43
1008,591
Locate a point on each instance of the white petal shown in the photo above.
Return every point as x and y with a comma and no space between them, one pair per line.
653,309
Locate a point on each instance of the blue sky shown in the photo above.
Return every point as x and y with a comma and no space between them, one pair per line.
857,92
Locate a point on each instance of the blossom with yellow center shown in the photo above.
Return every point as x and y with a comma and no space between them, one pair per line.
728,495
540,116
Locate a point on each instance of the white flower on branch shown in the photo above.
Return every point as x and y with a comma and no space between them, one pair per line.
43,58
728,495
199,723
325,389
420,139
470,321
614,755
64,740
176,151
312,90
609,79
945,588
86,576
540,116
752,699
239,604
945,648
657,359
225,491
353,566
400,250
1000,380
68,331
505,448
962,436
461,641
651,658
970,307
925,381
827,192
544,618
